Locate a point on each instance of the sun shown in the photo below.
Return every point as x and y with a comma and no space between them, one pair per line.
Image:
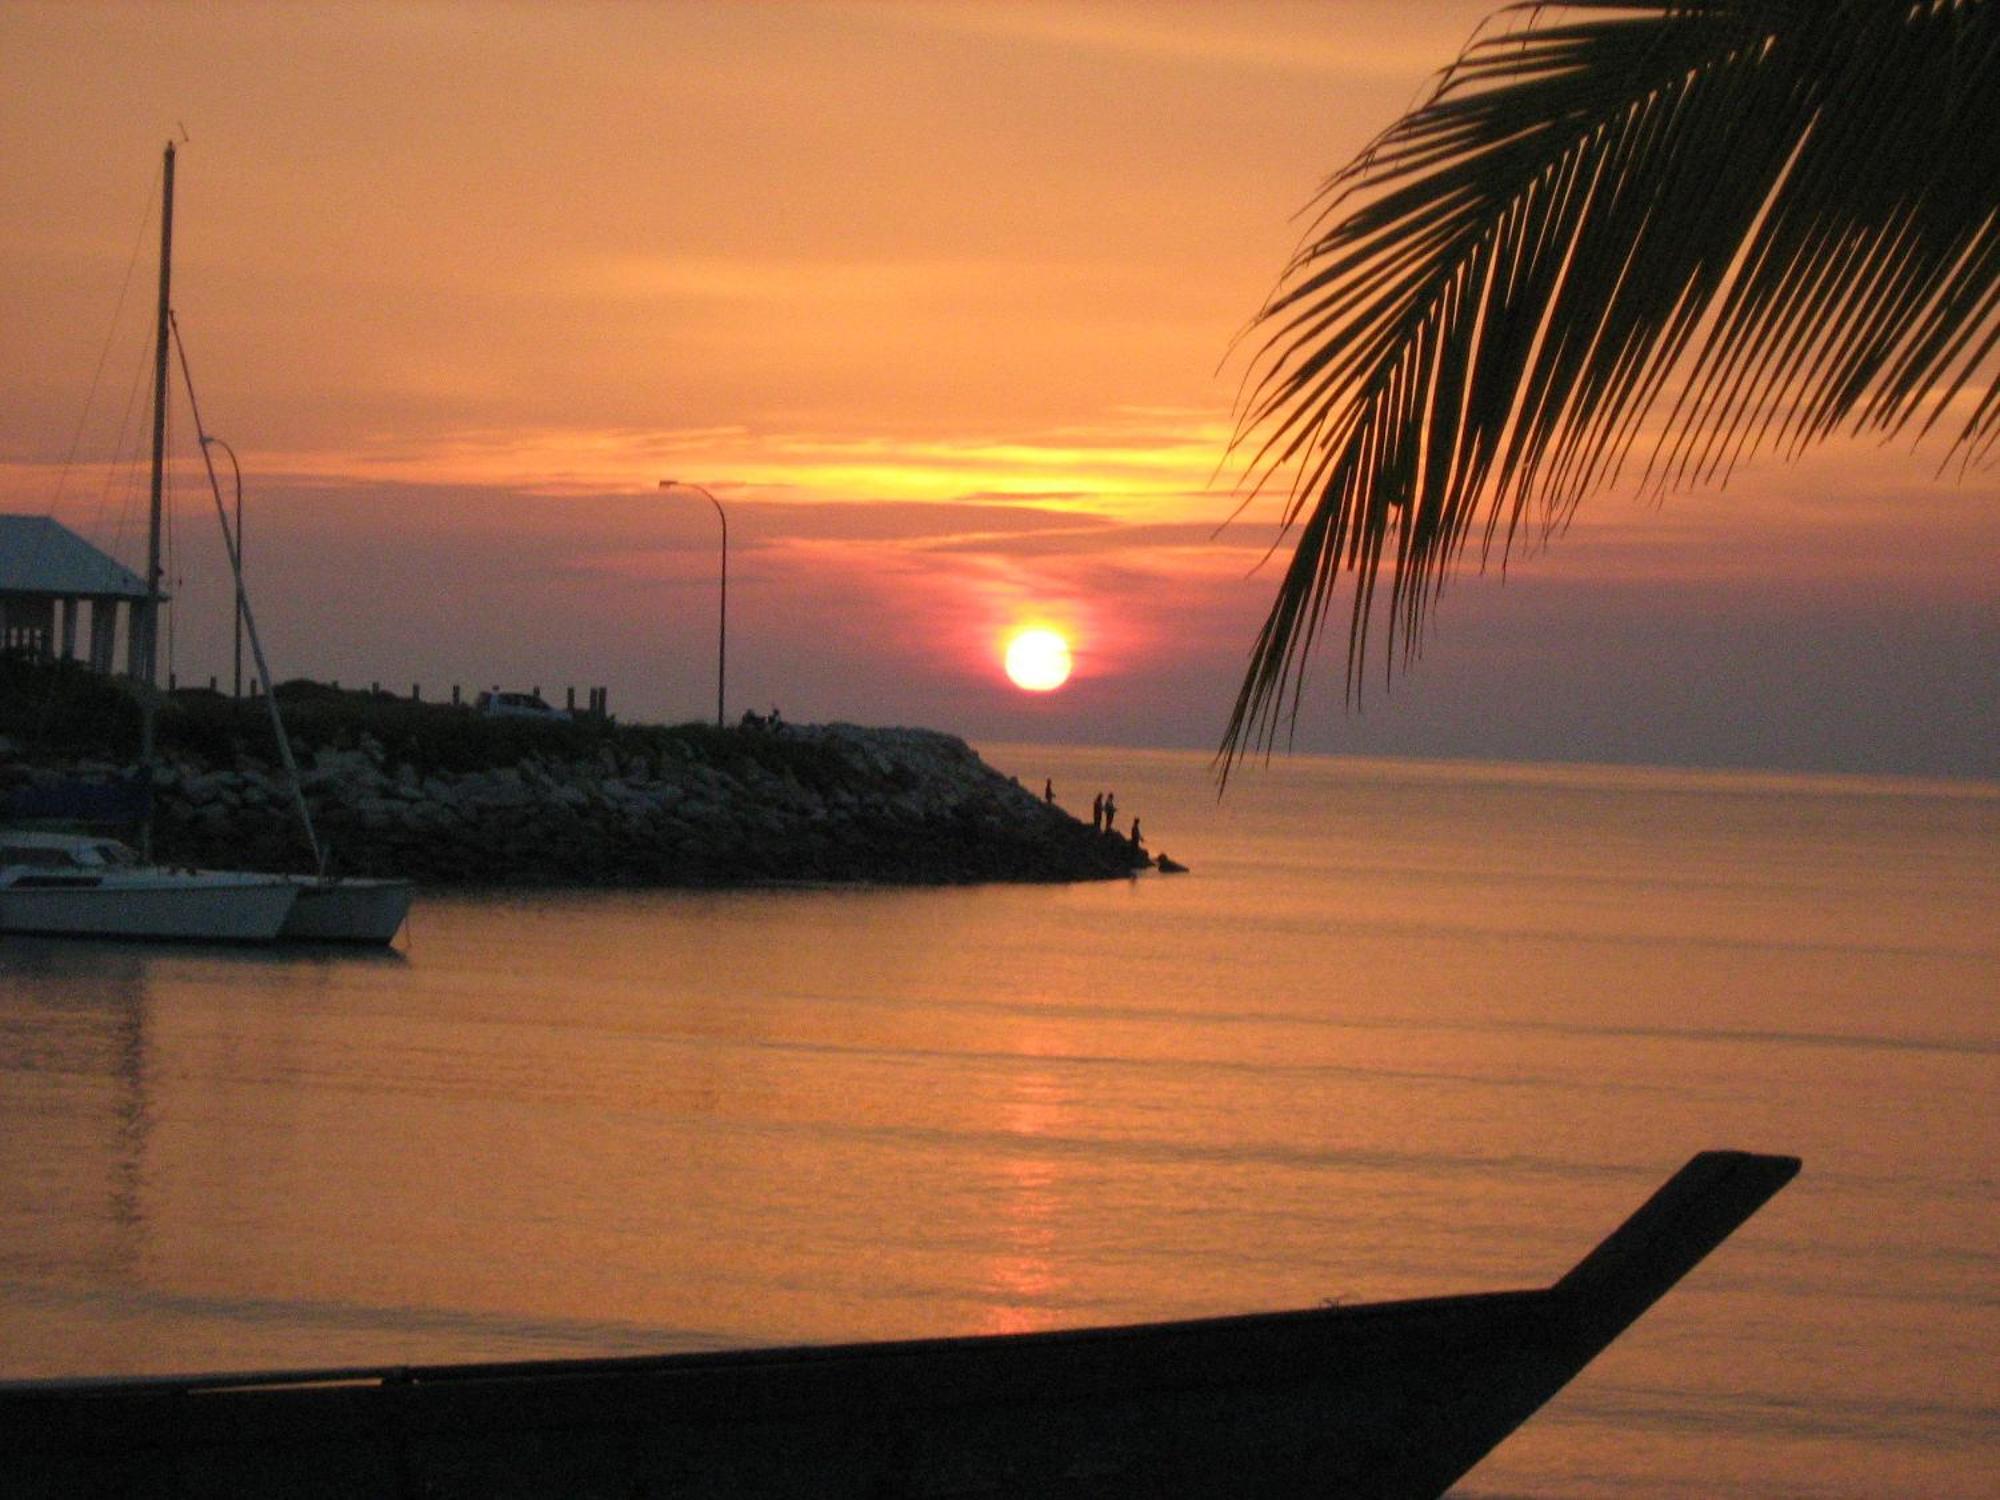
1038,660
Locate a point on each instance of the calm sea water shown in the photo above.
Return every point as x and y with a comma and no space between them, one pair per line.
1405,1029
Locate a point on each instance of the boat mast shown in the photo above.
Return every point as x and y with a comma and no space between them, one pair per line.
145,669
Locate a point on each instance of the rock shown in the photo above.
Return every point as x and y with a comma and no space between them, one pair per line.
819,802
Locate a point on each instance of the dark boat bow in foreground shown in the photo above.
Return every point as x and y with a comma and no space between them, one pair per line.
1385,1399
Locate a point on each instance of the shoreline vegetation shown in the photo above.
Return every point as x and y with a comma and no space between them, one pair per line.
449,797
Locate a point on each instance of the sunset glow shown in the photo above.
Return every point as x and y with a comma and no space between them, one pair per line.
954,367
1038,660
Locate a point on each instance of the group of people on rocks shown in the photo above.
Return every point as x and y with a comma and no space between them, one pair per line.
1103,819
1103,811
1104,816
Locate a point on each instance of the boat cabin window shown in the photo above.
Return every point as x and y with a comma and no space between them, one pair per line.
71,854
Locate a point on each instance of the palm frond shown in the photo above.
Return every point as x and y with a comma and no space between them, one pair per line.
1704,226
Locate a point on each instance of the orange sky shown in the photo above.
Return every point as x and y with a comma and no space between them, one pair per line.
937,298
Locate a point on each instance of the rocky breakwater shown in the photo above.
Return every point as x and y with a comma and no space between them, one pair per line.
832,802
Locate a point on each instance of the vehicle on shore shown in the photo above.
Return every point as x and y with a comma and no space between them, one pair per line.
499,705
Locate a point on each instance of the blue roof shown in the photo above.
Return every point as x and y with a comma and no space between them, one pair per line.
41,556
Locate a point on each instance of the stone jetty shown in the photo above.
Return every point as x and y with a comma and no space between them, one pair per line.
790,803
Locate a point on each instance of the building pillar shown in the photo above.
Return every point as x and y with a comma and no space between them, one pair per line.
103,634
139,638
68,649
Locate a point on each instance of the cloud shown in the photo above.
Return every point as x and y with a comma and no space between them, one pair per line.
1363,37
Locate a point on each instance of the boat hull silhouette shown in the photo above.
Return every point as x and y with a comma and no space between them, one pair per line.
1383,1399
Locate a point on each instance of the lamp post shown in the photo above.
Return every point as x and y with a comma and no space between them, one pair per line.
722,613
236,548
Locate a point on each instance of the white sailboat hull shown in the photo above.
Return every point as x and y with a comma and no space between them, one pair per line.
194,905
347,911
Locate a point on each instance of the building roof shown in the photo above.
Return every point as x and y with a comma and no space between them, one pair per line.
42,557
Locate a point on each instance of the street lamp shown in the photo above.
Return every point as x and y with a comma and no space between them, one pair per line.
722,614
236,559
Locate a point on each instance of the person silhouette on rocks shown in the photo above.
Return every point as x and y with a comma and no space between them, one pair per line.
1110,812
1097,813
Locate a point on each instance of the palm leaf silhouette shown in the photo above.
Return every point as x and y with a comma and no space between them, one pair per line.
1701,227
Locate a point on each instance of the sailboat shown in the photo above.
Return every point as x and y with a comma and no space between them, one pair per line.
81,886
